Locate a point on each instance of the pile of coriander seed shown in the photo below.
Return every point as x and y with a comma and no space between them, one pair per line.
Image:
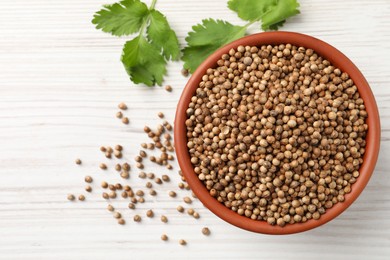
276,133
159,151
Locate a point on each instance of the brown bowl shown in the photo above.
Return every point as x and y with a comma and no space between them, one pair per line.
337,59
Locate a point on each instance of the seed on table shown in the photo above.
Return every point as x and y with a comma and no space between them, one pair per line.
181,185
170,157
118,186
165,178
164,219
117,215
149,213
137,218
103,149
78,161
118,167
141,200
172,194
105,195
190,211
147,129
71,197
124,194
187,200
139,193
112,195
169,167
164,237
109,149
110,207
150,146
88,188
168,88
150,175
180,209
139,165
130,193
149,185
134,200
81,197
160,114
184,72
108,155
158,180
196,215
142,153
131,206
104,185
121,221
142,175
103,166
119,114
88,179
127,188
111,187
125,175
117,154
186,186
126,166
182,242
122,106
152,192
206,231
125,120
118,147
144,145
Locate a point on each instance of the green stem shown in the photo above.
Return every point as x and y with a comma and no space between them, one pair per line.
153,4
147,19
249,24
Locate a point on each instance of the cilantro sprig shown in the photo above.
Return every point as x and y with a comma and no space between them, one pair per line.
146,55
211,34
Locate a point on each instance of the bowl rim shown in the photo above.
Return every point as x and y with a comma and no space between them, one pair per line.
337,59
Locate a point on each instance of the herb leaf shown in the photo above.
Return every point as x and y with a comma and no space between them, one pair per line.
278,13
162,36
143,62
206,38
251,10
123,18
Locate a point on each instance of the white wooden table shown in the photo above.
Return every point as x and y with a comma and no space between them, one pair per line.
60,82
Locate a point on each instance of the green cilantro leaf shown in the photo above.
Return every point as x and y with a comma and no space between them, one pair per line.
251,10
143,62
123,18
206,38
278,13
162,36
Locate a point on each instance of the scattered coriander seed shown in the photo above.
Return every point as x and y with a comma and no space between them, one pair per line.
141,200
180,209
152,192
88,188
124,194
164,237
110,207
206,231
158,181
109,149
139,165
172,194
185,72
126,166
142,153
187,200
71,197
182,242
181,185
118,147
137,218
134,200
149,185
88,179
144,145
105,195
139,193
193,195
147,129
164,219
125,120
118,167
118,186
119,114
149,213
190,211
108,155
196,215
103,149
121,221
103,166
142,175
168,88
125,175
169,167
122,106
131,206
112,195
104,184
186,186
117,214
81,197
111,187
150,175
160,114
150,146
127,188
117,154
78,161
165,178
130,193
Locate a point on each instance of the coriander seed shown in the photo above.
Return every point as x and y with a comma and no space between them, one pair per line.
78,161
149,213
88,179
164,237
81,197
187,200
182,242
71,197
164,219
137,218
122,106
206,231
172,194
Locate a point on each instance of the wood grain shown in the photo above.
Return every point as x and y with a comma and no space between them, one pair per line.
60,82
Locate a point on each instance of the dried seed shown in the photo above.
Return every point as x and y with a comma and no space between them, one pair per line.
118,147
103,149
165,178
134,200
187,200
105,195
182,242
139,165
88,188
117,214
110,207
149,213
168,88
118,167
104,185
149,185
71,197
142,153
164,219
139,193
125,175
141,200
118,186
88,179
164,237
103,166
185,72
121,221
122,106
118,154
108,155
169,167
111,187
142,175
152,192
137,218
150,175
144,145
158,180
127,188
81,197
206,231
78,161
181,185
124,194
112,195
160,114
180,209
131,206
172,194
125,120
150,146
119,114
196,215
190,211
126,166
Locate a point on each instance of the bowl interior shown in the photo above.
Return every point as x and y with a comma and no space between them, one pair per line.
337,59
